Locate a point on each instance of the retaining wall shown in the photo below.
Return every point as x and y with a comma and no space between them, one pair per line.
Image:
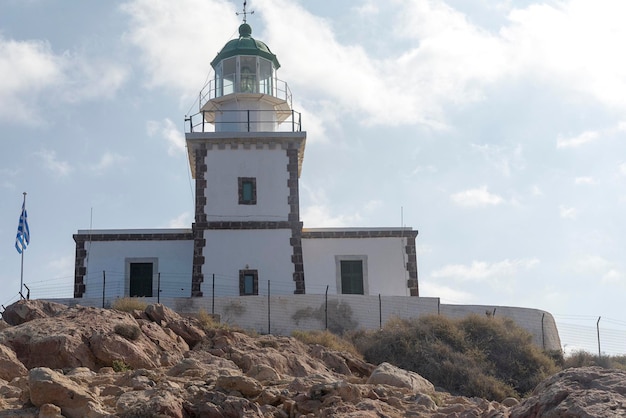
281,315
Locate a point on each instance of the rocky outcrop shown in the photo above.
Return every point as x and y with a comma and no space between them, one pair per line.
388,374
577,392
10,366
88,337
24,311
104,363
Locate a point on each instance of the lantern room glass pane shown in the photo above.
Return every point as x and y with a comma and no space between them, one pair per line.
219,91
229,73
265,76
248,80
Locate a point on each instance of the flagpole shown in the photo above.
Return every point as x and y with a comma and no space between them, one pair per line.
22,266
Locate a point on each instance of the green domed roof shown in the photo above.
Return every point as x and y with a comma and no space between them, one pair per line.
245,45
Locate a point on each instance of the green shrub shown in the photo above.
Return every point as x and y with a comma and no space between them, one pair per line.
120,366
476,356
129,304
128,331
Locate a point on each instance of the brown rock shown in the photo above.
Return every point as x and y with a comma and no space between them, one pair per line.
27,310
49,410
136,354
509,402
247,386
50,387
10,366
263,373
388,374
188,330
91,337
161,314
151,403
577,392
172,346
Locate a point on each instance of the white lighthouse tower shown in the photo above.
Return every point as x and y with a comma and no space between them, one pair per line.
246,149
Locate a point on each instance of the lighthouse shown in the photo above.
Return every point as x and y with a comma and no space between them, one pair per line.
246,149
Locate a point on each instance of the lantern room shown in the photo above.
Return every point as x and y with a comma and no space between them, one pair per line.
245,95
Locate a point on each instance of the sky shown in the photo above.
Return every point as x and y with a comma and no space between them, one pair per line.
496,128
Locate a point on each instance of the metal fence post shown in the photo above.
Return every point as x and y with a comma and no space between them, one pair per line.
326,309
380,312
159,287
598,328
543,332
269,330
104,281
213,296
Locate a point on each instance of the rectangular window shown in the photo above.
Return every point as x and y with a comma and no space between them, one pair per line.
247,190
352,277
248,282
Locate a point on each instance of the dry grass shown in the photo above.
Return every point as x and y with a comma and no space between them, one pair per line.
129,304
326,339
583,358
209,321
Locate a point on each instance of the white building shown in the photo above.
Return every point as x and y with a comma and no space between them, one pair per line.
246,151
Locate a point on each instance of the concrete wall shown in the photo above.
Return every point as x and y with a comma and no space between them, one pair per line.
384,264
345,312
266,250
174,263
268,166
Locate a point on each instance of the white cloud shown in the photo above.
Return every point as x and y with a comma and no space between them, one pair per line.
109,160
368,8
577,141
319,214
181,221
476,198
612,276
567,213
599,267
33,74
573,44
168,131
584,180
622,169
502,158
480,271
446,294
52,163
87,79
27,68
178,39
446,59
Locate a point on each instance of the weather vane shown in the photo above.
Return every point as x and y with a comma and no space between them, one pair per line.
244,13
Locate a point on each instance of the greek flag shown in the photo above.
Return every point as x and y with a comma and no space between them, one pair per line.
23,234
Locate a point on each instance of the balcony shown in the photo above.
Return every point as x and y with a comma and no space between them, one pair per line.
217,120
